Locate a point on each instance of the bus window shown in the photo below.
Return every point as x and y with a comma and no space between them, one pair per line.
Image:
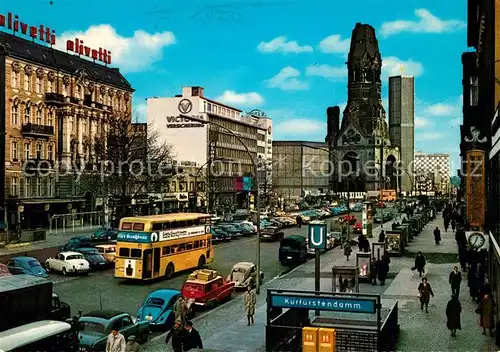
138,226
208,241
127,226
202,243
135,253
202,221
189,245
157,226
182,247
197,222
189,222
167,225
181,224
173,249
196,244
124,252
165,250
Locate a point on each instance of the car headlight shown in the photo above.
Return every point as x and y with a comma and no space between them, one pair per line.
149,317
237,282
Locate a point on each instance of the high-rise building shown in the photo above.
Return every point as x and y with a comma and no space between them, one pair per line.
435,167
402,124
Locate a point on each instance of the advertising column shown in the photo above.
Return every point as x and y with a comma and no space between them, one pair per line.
367,220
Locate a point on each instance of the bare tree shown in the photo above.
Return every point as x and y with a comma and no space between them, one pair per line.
127,160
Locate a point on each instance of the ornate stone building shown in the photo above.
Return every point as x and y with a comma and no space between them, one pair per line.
53,105
361,143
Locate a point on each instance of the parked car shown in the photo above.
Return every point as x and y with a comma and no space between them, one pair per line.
105,234
214,218
246,229
26,265
95,259
94,328
108,251
207,288
349,219
271,234
4,270
293,250
158,309
77,242
219,235
358,227
244,274
68,263
231,230
276,223
337,238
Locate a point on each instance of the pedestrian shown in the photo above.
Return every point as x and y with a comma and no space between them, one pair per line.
132,345
425,293
446,225
455,280
453,224
373,271
420,263
116,341
381,237
298,219
249,302
177,334
180,308
347,250
472,282
437,236
192,338
453,311
382,270
361,242
486,310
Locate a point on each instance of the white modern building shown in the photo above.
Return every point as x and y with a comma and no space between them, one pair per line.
437,165
209,146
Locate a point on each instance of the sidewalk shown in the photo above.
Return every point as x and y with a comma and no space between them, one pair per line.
225,329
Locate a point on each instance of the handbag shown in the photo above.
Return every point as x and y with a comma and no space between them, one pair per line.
419,295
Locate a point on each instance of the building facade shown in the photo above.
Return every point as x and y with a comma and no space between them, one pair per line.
435,169
300,169
219,141
402,125
54,103
362,144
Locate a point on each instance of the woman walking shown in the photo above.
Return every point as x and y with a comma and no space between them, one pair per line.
420,263
249,302
486,310
425,293
453,311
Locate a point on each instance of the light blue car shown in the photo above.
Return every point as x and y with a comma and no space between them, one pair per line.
158,307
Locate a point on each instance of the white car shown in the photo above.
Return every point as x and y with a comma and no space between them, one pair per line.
68,263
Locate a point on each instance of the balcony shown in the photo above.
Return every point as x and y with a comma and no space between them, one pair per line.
93,104
32,129
54,98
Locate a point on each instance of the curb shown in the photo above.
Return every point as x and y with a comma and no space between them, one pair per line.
18,245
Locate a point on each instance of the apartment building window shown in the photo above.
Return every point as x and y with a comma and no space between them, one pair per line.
50,118
27,150
101,98
27,82
27,187
49,86
27,114
39,116
39,151
65,90
15,79
15,114
209,107
79,92
14,186
50,187
39,191
50,152
14,150
39,85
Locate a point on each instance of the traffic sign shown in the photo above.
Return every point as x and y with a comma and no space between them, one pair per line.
317,236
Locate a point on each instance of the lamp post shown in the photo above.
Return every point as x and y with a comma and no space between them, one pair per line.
256,177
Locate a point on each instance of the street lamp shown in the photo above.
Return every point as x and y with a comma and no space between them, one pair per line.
256,177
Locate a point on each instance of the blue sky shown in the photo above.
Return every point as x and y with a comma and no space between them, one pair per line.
284,57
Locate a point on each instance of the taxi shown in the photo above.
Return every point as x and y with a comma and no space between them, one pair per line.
207,288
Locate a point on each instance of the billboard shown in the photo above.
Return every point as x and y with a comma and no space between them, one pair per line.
188,138
475,195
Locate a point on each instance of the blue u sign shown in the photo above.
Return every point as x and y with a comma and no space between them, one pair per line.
337,304
317,236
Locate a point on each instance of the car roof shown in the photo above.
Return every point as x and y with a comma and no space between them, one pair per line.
87,249
15,282
165,293
23,258
202,282
243,265
25,334
105,245
80,238
70,253
104,314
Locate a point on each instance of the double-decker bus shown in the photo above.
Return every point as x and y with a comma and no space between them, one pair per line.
155,246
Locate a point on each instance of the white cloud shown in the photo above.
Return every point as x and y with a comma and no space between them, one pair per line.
335,44
327,71
140,112
130,54
442,109
456,122
241,99
426,23
393,66
428,136
421,122
299,127
280,44
287,79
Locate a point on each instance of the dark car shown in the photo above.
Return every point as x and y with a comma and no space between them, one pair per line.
271,234
104,234
26,265
219,235
246,229
95,259
276,223
231,230
77,242
293,250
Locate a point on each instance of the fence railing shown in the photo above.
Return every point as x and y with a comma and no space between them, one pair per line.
76,222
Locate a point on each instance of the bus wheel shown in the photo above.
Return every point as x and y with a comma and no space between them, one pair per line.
201,262
169,271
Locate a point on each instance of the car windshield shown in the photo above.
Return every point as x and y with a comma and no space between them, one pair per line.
240,270
74,256
34,263
229,227
155,301
91,327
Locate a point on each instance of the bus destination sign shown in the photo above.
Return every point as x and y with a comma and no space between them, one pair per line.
187,232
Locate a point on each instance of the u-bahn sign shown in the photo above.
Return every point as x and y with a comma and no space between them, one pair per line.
317,236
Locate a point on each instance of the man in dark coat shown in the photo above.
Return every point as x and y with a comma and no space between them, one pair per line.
420,263
373,271
455,280
178,334
453,311
192,337
382,270
437,235
299,220
381,237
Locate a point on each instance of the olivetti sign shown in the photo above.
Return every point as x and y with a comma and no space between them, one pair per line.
182,122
